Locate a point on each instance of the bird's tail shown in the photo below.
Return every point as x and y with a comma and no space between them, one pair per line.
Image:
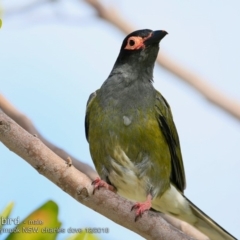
206,225
174,203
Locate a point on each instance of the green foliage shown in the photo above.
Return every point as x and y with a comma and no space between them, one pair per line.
6,212
38,224
41,224
0,22
83,236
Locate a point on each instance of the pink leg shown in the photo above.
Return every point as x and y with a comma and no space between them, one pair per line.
98,183
142,207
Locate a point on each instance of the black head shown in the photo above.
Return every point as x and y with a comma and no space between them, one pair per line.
140,47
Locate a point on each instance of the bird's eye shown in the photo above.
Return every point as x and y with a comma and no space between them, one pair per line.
131,43
134,43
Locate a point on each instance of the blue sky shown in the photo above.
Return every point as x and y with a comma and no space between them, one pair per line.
52,58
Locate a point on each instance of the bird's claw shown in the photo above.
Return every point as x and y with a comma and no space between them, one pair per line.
141,208
98,183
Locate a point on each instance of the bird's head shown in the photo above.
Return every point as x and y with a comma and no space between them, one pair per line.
140,48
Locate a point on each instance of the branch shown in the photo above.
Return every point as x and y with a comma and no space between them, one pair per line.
213,95
25,123
78,185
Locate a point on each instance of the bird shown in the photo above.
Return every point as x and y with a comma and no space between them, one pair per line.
133,139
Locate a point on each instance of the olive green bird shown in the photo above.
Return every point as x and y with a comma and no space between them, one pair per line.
133,140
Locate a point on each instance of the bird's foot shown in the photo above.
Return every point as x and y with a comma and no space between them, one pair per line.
142,207
98,183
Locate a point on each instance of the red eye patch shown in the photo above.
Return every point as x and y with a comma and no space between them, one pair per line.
135,42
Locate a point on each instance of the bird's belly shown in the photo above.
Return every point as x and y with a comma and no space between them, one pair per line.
129,186
129,178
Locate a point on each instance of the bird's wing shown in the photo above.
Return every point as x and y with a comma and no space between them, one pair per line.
167,126
89,103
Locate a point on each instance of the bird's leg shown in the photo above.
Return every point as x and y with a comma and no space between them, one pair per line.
142,207
98,183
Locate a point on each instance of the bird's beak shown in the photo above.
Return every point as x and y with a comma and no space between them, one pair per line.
156,37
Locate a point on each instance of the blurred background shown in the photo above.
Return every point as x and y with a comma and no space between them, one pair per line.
54,53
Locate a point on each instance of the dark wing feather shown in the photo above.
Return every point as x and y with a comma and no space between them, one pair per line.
167,126
89,102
